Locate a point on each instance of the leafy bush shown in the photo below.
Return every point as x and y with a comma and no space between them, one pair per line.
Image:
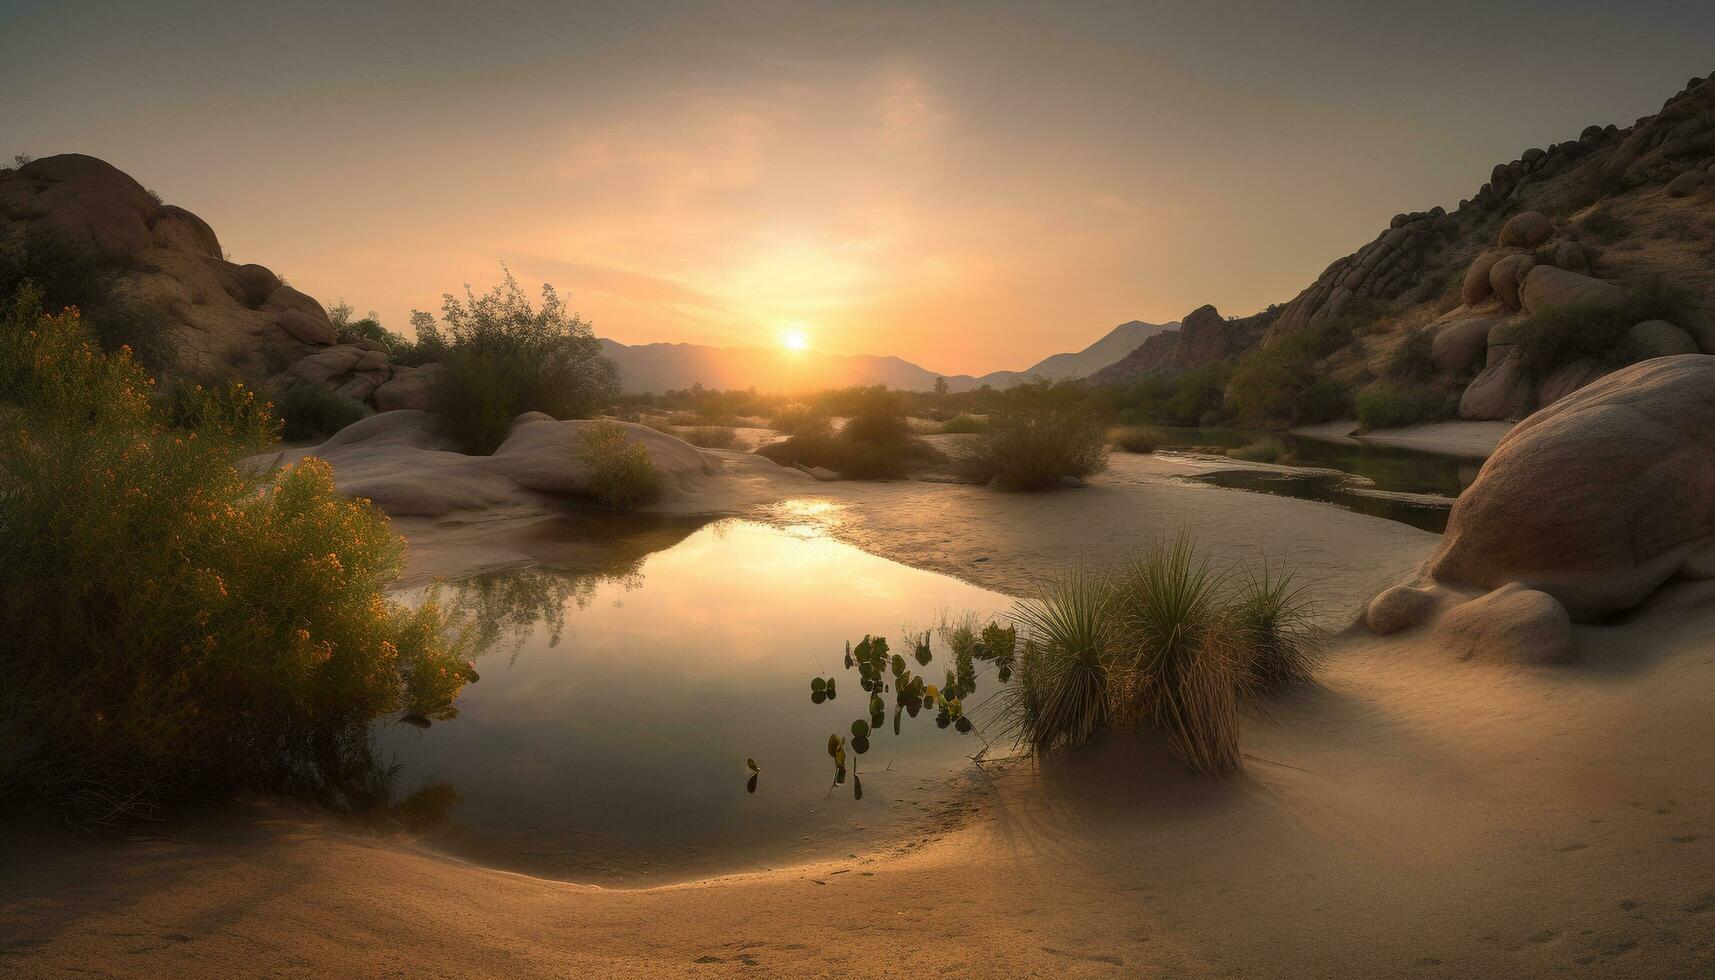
1598,331
1267,449
875,444
503,358
1394,405
1412,359
1038,433
621,473
1282,381
1183,399
963,425
175,622
311,411
1136,438
68,274
711,437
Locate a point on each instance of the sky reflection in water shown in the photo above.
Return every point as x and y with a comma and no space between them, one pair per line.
618,753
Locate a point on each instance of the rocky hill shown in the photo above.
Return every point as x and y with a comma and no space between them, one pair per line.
161,263
1571,261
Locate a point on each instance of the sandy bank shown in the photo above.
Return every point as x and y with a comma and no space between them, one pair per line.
1471,440
1411,816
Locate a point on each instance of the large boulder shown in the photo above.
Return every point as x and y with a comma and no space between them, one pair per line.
1507,274
1527,229
543,453
1659,338
1598,499
1476,287
1459,343
409,388
1545,288
1502,390
1685,183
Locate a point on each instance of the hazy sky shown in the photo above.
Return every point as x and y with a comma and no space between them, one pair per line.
969,185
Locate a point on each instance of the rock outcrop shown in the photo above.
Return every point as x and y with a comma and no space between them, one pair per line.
1203,337
1584,510
402,462
225,320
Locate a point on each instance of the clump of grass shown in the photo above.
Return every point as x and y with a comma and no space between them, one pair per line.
1267,449
311,411
1278,645
1606,225
621,473
1061,696
711,437
1183,657
963,425
1136,438
1037,434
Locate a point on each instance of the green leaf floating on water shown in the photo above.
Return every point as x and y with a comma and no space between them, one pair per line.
860,728
860,744
818,684
751,765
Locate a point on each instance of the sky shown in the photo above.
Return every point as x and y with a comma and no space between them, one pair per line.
971,186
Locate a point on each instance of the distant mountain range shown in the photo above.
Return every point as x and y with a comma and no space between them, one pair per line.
660,367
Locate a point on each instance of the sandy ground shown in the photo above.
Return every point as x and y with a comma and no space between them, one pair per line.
1408,816
1471,440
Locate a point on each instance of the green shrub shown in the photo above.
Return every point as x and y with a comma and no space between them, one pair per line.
1136,438
1282,381
310,411
875,443
1182,399
174,622
69,274
621,473
1412,359
963,425
1267,449
1598,331
504,358
1038,433
711,437
1395,405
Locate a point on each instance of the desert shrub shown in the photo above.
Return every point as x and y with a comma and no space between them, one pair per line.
1412,358
1598,331
176,622
1394,405
1267,449
1277,646
1282,381
311,411
621,473
1182,399
876,442
1136,438
1038,433
1178,637
1061,695
70,274
711,437
504,358
1606,225
800,419
963,425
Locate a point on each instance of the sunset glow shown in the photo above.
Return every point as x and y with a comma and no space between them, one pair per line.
794,340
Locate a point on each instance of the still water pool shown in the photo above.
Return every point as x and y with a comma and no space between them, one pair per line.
607,739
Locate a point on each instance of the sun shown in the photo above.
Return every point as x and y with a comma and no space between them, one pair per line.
795,340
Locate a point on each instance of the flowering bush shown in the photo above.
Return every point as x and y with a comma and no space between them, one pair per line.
174,622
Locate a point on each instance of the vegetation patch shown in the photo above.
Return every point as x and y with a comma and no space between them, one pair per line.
1038,433
502,358
1395,405
1283,381
1137,438
621,474
176,623
1267,449
875,443
309,411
